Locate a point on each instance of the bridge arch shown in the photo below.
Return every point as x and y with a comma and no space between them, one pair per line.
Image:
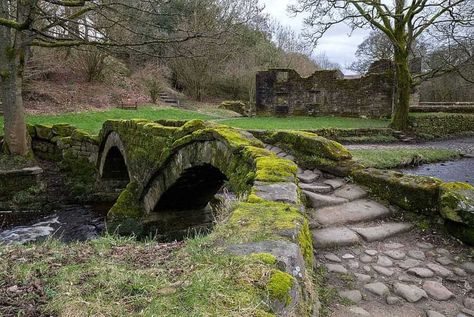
176,198
113,162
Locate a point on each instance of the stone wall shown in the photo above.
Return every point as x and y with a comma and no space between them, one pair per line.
326,92
53,142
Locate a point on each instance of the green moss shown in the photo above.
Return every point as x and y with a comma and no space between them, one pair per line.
81,174
410,192
279,286
457,202
266,258
124,216
63,130
305,242
298,142
275,169
43,131
253,222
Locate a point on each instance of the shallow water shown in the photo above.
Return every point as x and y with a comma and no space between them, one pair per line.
454,171
71,223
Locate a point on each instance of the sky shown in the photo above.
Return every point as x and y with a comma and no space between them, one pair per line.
338,46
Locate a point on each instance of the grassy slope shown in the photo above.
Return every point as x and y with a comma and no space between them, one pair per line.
121,277
92,121
304,123
391,158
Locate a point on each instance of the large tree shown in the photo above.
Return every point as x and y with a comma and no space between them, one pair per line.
401,21
139,26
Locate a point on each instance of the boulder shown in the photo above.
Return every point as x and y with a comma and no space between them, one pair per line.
457,202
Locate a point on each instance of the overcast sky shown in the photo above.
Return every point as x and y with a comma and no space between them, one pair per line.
336,43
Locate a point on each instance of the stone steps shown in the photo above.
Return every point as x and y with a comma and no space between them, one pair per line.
350,212
333,237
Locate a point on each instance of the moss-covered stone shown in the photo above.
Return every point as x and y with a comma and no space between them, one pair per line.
279,287
125,215
457,202
44,131
410,192
298,142
266,258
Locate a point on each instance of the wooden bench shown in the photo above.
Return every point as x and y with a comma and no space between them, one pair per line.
129,104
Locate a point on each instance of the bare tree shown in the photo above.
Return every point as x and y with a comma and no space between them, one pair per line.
402,22
139,26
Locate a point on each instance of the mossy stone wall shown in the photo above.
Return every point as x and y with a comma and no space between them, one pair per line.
439,125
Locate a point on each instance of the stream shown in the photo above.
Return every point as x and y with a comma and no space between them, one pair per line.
452,171
71,223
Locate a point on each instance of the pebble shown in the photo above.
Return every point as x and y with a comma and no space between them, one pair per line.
421,272
432,313
353,264
383,270
354,295
336,268
384,261
437,290
395,254
364,278
459,272
438,269
424,245
392,300
371,252
366,259
444,260
468,312
348,256
393,246
377,288
416,254
332,257
366,268
442,251
411,293
358,311
469,303
409,279
468,267
409,263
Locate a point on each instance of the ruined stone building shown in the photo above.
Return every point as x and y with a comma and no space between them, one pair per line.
326,92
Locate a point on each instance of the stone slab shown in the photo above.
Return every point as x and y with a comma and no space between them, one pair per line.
282,192
319,201
351,192
352,212
381,232
333,237
318,188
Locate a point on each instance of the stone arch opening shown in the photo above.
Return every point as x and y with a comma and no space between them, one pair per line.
114,167
184,209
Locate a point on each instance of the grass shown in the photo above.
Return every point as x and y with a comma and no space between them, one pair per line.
304,123
115,276
392,158
92,121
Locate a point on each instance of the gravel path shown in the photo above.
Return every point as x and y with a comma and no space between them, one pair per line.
464,145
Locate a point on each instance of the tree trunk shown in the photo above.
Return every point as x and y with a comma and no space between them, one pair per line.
403,90
12,62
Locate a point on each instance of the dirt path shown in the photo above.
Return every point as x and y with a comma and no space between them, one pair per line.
464,145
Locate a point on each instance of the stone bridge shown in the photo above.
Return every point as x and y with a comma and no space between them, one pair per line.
170,173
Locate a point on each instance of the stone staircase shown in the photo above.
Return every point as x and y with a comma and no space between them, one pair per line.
340,213
168,99
380,266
